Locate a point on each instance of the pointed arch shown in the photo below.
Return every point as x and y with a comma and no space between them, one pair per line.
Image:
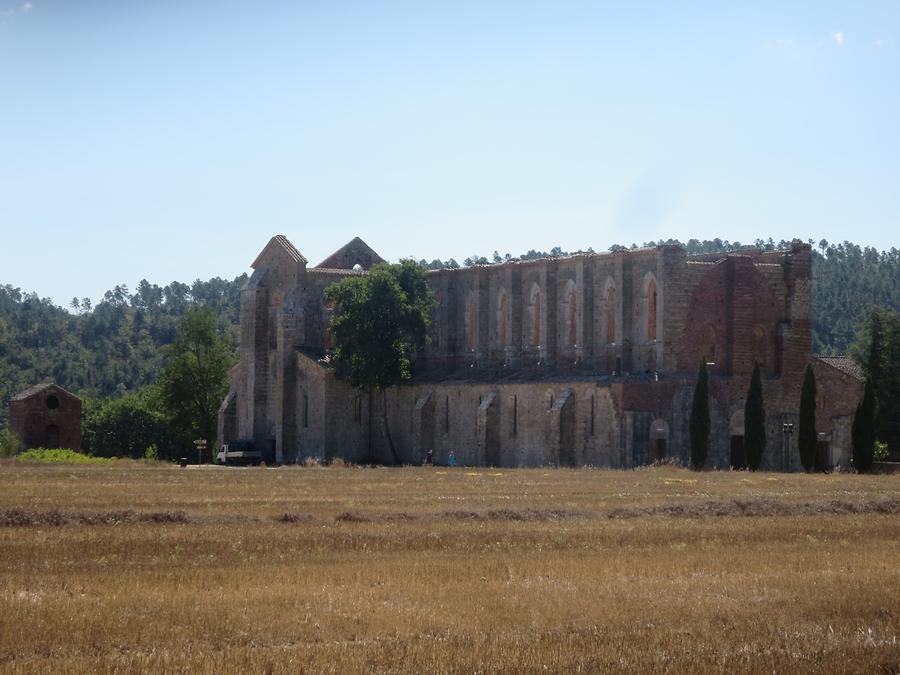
571,314
611,309
502,320
471,322
651,308
534,314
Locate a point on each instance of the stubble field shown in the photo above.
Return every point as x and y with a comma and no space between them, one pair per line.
131,567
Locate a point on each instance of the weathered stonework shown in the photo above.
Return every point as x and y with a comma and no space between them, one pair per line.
46,416
583,360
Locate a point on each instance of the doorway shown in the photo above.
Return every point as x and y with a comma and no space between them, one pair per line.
738,459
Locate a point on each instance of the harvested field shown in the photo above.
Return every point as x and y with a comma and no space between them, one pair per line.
130,567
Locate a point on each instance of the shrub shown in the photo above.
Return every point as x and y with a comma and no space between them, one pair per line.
61,456
9,443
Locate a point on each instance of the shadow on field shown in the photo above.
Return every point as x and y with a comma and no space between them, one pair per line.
755,508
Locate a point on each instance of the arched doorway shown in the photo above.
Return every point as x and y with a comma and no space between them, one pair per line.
659,440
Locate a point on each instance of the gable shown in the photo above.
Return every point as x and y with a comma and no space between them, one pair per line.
46,388
279,247
355,252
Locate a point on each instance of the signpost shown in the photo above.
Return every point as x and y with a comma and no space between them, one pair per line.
201,446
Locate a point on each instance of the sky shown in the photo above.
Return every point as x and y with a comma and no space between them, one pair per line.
169,140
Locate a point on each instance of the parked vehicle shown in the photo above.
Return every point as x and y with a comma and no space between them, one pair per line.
238,453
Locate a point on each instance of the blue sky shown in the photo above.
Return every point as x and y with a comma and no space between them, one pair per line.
170,140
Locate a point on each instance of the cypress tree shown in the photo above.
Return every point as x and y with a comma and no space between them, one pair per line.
754,422
806,437
700,424
864,430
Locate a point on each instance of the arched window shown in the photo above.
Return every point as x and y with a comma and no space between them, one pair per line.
502,320
471,321
534,314
571,315
610,312
759,346
651,309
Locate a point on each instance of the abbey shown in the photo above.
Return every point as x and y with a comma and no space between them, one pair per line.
588,359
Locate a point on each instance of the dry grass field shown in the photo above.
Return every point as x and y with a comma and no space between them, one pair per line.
131,567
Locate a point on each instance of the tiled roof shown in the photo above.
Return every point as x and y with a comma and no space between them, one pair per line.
289,248
844,364
37,389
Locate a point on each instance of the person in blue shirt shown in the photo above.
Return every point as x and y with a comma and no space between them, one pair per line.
451,460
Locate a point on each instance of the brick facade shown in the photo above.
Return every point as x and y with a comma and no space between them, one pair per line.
46,416
587,359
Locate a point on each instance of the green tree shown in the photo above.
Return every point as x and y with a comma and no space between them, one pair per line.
9,443
806,437
700,422
127,426
754,422
380,319
195,378
863,430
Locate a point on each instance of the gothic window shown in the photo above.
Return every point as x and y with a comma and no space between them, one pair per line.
436,322
759,346
571,315
651,309
502,320
471,323
610,313
708,345
534,315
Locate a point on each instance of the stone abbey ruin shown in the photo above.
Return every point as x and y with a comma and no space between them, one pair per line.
588,359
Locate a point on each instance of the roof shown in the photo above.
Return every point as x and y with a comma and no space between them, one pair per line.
354,250
280,241
844,364
38,388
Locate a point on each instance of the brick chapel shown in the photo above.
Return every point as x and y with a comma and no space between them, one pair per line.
588,359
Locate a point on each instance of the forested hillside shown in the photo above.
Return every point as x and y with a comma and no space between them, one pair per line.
109,349
116,346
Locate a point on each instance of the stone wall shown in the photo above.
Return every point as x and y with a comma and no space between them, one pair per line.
46,416
587,359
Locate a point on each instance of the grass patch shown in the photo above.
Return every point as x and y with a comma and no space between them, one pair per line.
61,456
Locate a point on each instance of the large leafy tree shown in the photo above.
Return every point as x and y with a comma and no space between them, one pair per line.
380,319
806,438
754,422
700,422
195,378
127,426
863,430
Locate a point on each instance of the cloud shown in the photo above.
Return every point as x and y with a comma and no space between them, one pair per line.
25,7
838,38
